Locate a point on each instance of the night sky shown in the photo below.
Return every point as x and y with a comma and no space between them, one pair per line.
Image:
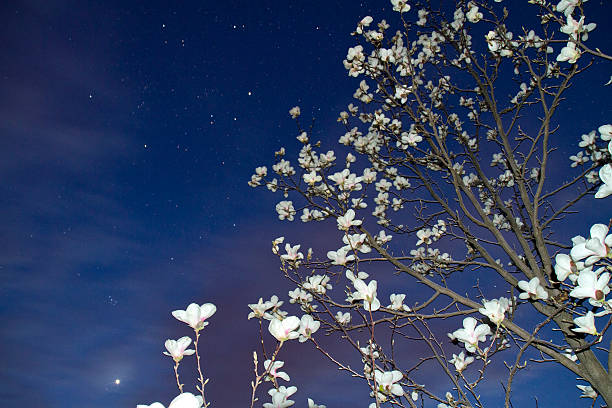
129,131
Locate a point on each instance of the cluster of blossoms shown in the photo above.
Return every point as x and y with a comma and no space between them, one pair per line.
414,142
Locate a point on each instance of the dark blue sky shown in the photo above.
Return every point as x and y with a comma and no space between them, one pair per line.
128,133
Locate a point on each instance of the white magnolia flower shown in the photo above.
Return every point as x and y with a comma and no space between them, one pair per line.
567,6
186,400
397,302
308,326
272,368
343,318
400,5
280,397
178,348
591,286
569,53
311,403
387,382
586,324
587,391
360,275
605,174
346,221
367,293
595,248
532,290
153,405
470,335
195,316
292,253
461,361
284,329
495,309
340,257
564,267
294,112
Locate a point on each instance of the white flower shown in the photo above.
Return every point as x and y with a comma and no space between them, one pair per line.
397,302
567,6
153,405
564,266
495,309
591,286
367,293
587,391
346,221
532,289
283,330
178,348
387,382
577,29
311,403
280,397
595,248
470,335
294,112
285,210
569,53
473,15
400,5
343,318
272,369
605,174
292,253
195,316
586,324
186,400
308,326
259,309
461,361
340,257
606,130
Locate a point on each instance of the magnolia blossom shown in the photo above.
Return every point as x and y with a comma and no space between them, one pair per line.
397,302
311,403
587,391
461,361
308,326
495,309
367,293
569,53
294,112
346,221
272,369
567,6
591,286
184,400
400,5
259,309
195,315
280,397
283,330
564,267
292,253
178,348
586,324
470,335
343,318
594,248
387,382
605,174
340,257
532,290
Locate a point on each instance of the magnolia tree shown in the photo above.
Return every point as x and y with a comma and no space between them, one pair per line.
444,178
